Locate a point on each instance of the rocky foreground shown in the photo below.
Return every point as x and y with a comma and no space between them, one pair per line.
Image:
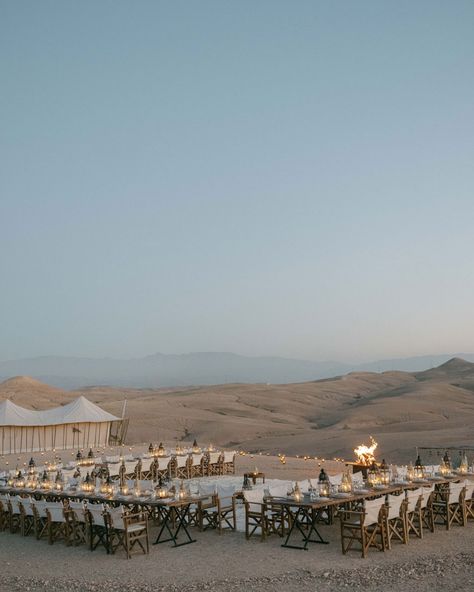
449,573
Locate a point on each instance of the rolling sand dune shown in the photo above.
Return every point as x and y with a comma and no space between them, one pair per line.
324,418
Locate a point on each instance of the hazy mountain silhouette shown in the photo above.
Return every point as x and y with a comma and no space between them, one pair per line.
160,370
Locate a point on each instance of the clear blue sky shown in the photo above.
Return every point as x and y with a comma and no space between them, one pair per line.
263,177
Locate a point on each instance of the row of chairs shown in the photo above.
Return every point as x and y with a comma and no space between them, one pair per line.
181,467
75,523
378,522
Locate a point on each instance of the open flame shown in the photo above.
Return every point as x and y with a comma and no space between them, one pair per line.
365,454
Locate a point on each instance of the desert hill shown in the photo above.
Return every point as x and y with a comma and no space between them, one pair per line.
325,418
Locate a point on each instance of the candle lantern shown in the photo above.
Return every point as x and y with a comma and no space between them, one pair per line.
59,482
182,491
323,484
447,462
418,469
297,495
196,448
384,473
151,448
373,475
79,457
19,481
410,472
464,466
346,482
160,490
109,486
45,482
88,485
32,466
161,449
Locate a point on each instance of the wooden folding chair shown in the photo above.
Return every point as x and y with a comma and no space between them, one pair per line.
27,524
228,463
413,513
215,462
449,506
76,518
196,468
366,527
182,467
261,516
96,528
127,531
395,520
14,514
469,500
40,518
4,512
57,524
219,513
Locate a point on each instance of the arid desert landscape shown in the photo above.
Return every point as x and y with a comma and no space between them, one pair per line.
325,418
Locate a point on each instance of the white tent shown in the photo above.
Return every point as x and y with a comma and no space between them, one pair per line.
79,424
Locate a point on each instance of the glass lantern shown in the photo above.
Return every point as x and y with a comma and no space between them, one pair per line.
384,473
323,484
464,466
418,469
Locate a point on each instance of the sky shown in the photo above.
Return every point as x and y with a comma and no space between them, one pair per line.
261,177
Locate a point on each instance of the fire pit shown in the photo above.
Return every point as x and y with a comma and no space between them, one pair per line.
365,457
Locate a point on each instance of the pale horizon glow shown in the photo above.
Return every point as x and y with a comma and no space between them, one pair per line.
263,178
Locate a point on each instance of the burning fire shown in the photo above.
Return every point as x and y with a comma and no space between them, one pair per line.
365,454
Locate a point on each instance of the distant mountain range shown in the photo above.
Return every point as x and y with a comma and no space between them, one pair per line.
204,368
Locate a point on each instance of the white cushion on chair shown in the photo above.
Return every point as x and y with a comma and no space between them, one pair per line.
136,527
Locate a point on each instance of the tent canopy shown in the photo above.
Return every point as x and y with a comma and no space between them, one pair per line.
81,410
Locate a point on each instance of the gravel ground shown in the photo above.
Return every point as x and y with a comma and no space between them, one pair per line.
228,563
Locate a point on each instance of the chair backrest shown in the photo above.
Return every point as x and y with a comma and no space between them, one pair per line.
27,506
96,514
116,518
469,485
395,503
197,458
372,510
229,456
427,493
455,490
114,469
40,507
15,502
146,464
163,462
225,492
55,512
130,467
254,499
413,498
181,461
214,457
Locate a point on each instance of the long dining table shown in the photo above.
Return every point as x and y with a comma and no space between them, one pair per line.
303,516
172,513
